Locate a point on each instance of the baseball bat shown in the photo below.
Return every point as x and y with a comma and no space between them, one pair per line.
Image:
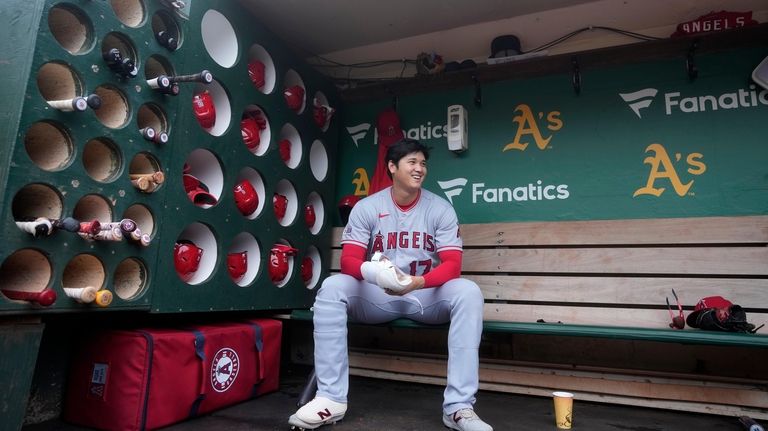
309,390
85,295
103,298
161,82
148,133
145,239
78,104
204,77
67,223
45,297
91,227
40,227
155,177
749,424
113,234
160,138
93,101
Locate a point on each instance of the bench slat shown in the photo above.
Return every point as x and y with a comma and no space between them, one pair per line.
691,230
747,261
608,316
677,260
750,293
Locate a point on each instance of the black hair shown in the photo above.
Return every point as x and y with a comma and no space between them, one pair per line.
402,148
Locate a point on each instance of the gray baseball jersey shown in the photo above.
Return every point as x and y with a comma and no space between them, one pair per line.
411,239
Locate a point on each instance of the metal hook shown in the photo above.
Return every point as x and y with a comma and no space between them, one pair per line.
576,76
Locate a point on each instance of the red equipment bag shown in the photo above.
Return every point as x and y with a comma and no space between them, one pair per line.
150,378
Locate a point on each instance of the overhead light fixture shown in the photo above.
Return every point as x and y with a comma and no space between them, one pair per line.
760,74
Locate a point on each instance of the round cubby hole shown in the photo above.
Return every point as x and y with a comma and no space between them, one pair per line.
145,172
213,119
243,259
285,189
129,12
71,28
26,270
37,200
196,241
122,43
102,159
276,262
151,115
58,81
313,255
260,63
316,220
253,177
318,102
130,279
255,138
157,65
289,146
291,81
166,30
93,207
143,217
318,160
219,38
49,145
114,112
84,270
203,178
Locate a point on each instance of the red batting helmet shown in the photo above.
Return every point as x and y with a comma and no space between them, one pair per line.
294,97
197,191
237,265
284,146
280,204
306,269
320,115
246,198
249,130
186,259
278,261
256,73
345,207
309,215
204,109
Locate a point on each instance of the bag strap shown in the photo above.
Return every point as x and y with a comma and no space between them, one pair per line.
258,334
200,353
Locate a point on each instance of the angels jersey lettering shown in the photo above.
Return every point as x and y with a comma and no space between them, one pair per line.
411,239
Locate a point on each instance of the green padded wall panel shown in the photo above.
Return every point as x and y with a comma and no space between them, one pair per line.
219,158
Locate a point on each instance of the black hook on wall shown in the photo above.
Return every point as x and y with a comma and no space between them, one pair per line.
576,76
690,64
478,92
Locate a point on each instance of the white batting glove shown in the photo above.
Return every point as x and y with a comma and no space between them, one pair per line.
370,270
393,279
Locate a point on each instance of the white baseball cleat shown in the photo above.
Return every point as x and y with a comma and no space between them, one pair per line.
316,413
465,420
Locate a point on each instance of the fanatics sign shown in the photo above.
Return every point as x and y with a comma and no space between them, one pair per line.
715,21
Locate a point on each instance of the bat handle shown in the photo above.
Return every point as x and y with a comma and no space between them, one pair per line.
45,297
81,294
103,298
205,77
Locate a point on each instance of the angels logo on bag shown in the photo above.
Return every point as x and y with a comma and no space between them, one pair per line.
224,368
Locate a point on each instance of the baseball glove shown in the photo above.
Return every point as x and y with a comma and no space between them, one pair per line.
731,319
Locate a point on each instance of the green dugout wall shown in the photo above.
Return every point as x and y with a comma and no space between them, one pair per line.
641,140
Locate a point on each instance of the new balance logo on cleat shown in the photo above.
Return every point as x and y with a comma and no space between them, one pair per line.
324,414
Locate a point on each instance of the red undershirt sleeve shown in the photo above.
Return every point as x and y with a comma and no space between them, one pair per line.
449,268
352,256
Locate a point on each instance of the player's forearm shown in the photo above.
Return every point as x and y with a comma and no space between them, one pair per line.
351,258
449,268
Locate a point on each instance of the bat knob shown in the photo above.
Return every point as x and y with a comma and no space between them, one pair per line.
47,297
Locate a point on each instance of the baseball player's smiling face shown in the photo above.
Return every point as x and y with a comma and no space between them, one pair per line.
409,173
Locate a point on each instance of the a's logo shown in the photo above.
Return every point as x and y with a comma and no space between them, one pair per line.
358,132
528,128
224,369
662,168
639,99
452,187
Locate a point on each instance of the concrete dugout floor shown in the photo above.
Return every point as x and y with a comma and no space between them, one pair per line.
381,405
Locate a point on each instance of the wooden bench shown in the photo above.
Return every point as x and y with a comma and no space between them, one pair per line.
607,279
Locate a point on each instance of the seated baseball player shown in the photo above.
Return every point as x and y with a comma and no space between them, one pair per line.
401,257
